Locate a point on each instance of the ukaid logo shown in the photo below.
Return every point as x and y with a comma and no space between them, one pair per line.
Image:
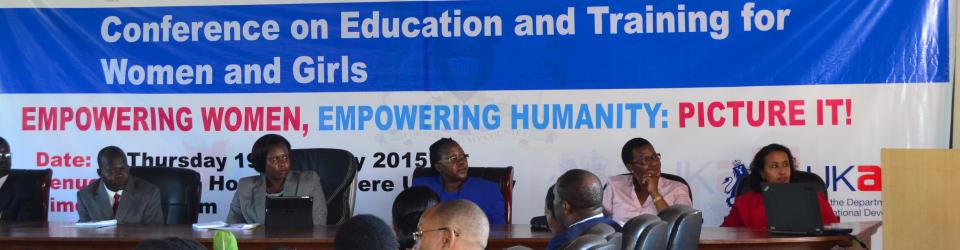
866,177
854,189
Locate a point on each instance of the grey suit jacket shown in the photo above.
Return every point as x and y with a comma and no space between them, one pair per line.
139,204
249,202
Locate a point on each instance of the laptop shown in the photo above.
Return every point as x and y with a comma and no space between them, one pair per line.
289,212
794,209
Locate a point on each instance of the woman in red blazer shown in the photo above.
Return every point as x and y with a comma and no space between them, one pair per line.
772,164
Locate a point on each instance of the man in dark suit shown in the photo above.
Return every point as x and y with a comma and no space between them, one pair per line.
17,203
578,206
117,195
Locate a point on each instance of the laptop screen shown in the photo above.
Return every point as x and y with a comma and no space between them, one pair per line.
792,207
289,212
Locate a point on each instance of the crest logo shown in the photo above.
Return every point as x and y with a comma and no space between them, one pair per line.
730,183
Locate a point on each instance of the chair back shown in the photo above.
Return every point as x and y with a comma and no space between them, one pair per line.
655,239
795,176
503,177
684,224
616,239
337,169
644,232
585,242
180,191
601,229
605,246
37,183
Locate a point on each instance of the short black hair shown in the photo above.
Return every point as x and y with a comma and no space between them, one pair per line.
626,154
756,165
6,163
581,189
171,243
411,200
110,152
406,225
407,209
549,199
436,146
365,232
258,154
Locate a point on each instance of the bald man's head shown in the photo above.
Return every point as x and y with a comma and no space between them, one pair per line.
456,224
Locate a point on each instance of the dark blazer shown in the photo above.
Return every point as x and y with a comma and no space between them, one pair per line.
139,204
18,202
249,202
560,240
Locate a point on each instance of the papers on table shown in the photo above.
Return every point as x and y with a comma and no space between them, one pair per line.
240,226
224,225
209,225
199,226
96,224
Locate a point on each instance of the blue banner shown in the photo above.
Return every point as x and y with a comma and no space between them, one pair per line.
476,45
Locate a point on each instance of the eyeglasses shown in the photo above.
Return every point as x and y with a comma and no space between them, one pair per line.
646,159
5,156
279,159
419,233
456,158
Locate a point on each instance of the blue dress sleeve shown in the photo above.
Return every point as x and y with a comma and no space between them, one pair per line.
498,209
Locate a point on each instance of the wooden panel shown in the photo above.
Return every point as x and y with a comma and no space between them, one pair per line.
919,198
953,79
750,238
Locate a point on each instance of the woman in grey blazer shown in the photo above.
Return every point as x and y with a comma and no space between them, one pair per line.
270,156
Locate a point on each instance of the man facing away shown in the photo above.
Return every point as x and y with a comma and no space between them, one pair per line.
117,195
578,206
454,224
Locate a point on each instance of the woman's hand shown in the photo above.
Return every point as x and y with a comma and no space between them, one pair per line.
651,181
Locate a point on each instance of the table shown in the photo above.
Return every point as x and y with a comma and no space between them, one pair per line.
745,238
56,235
